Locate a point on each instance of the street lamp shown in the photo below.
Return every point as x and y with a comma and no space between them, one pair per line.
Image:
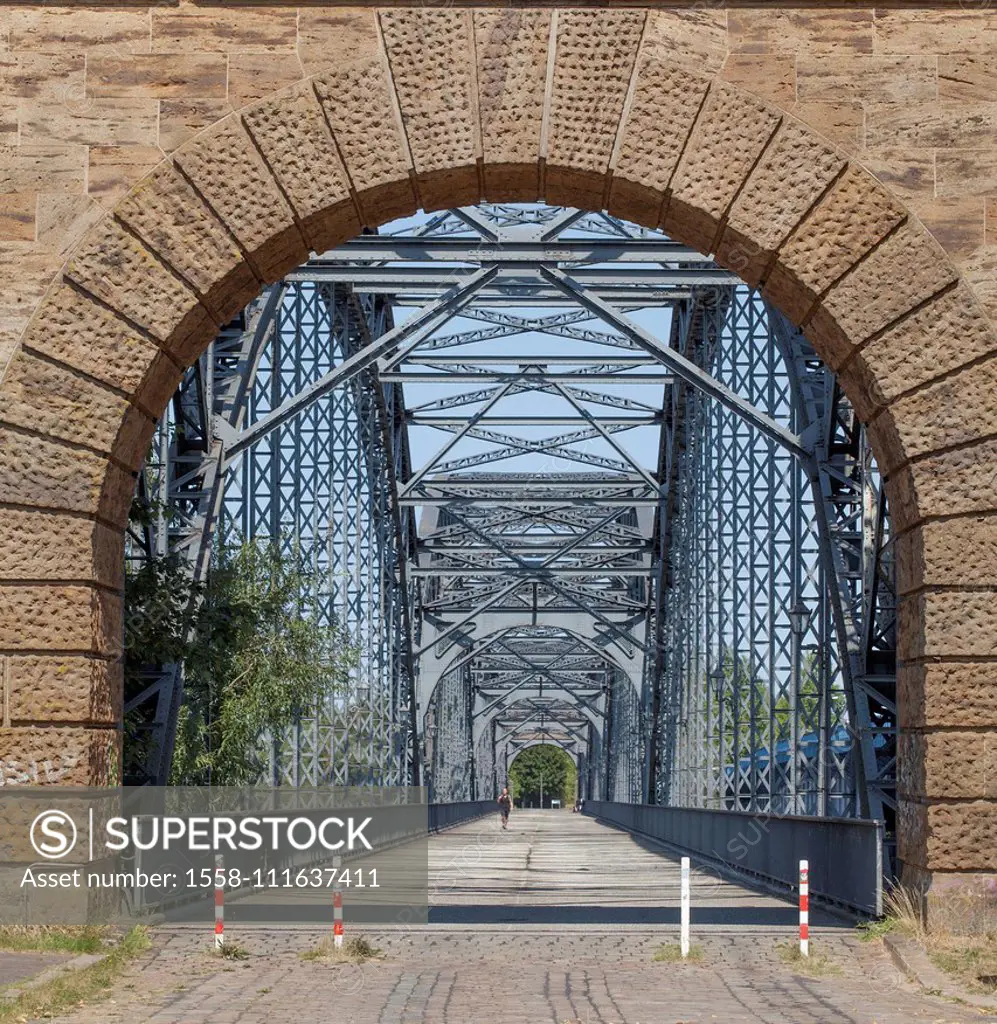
799,618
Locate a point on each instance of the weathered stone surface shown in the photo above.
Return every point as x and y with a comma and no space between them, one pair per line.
967,78
60,756
957,482
949,624
359,105
55,167
52,399
92,31
839,231
962,172
54,688
929,124
73,329
257,76
915,351
693,37
827,32
947,694
769,76
111,265
166,75
229,173
952,553
729,137
293,136
180,120
907,172
430,53
654,132
17,216
968,30
48,546
59,618
595,58
949,837
91,120
949,765
170,217
908,268
511,49
791,176
956,410
112,170
254,30
38,472
868,78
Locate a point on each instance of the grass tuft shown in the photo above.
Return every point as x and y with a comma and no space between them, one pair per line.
75,988
52,939
817,965
671,953
354,950
904,908
231,951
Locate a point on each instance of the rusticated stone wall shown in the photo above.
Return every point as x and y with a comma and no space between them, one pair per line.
158,164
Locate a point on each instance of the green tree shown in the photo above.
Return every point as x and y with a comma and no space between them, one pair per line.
254,654
549,763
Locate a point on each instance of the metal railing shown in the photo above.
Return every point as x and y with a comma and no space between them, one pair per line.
845,854
447,815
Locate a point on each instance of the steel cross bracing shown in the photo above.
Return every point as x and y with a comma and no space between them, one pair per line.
560,477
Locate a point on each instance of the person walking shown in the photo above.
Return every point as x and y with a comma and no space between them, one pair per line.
505,805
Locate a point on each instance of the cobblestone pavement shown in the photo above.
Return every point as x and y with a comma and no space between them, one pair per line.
511,960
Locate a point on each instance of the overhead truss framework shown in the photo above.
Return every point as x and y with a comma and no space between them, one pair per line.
566,480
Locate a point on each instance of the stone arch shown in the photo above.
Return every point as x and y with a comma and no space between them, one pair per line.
441,107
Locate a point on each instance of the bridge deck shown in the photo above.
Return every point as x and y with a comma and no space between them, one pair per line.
553,868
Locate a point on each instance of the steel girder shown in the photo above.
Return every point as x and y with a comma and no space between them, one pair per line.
625,556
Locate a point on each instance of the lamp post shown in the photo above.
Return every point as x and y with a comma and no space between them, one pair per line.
799,620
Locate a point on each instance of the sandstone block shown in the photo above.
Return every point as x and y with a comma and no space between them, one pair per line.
359,105
729,137
948,765
56,688
91,120
908,268
112,265
60,618
257,76
332,36
94,31
293,136
967,78
17,216
181,120
656,125
694,37
163,75
46,166
869,79
947,694
956,482
175,223
36,471
430,53
112,170
949,624
965,172
956,410
935,32
914,350
215,29
770,77
229,173
511,50
825,32
791,176
594,62
952,553
60,755
841,123
854,215
37,545
73,329
930,124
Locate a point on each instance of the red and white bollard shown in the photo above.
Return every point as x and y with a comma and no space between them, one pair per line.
804,908
219,901
337,905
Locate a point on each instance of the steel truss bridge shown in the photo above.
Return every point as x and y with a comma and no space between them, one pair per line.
567,482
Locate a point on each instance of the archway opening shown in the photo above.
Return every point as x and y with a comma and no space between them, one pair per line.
549,471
